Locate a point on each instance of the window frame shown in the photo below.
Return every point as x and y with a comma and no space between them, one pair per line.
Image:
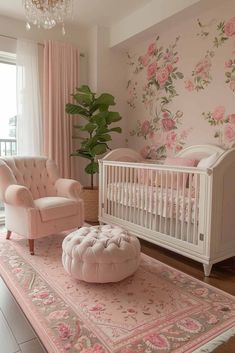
10,59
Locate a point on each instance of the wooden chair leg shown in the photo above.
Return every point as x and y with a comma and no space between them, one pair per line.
31,246
8,234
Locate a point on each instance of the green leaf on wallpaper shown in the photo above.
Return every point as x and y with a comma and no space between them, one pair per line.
228,74
179,75
216,42
227,81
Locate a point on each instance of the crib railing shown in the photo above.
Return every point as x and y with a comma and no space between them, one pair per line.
166,200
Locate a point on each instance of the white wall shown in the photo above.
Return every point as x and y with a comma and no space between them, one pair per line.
14,28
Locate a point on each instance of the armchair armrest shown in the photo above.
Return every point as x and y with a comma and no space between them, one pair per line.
19,195
68,188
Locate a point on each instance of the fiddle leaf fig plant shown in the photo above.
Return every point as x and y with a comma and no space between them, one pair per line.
96,130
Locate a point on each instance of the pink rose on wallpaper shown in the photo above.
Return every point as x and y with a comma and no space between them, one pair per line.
145,151
144,60
168,124
64,331
189,85
232,84
152,49
228,63
145,127
151,71
229,28
178,148
202,68
229,132
232,118
169,68
171,139
218,113
184,134
169,56
162,76
165,114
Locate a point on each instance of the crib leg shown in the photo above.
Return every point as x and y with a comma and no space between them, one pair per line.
207,269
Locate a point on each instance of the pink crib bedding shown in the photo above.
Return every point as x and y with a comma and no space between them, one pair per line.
164,202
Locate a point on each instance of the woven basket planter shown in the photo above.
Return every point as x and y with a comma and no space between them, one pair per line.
90,198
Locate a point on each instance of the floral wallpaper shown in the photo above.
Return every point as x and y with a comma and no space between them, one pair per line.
181,86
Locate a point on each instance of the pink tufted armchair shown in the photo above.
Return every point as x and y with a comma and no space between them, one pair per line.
37,201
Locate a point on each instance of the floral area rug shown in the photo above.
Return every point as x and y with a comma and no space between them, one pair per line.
158,309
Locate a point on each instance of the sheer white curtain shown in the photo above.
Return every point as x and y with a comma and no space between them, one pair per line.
29,119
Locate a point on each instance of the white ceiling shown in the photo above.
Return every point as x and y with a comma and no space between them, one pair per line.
86,12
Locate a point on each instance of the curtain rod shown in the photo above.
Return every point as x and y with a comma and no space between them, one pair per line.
10,37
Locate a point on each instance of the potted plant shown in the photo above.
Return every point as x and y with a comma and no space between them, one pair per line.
94,137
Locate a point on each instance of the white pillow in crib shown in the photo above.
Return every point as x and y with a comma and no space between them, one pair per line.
208,162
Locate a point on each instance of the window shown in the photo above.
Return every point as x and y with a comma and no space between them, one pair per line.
8,104
8,119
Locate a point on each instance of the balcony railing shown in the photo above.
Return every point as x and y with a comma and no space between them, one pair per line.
8,147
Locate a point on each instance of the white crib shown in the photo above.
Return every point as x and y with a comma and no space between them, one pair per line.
185,209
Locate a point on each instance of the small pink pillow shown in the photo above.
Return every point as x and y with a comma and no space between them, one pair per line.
176,161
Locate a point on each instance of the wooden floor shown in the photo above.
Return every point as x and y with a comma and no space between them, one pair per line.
16,334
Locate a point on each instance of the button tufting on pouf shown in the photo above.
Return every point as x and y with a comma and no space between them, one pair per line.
100,254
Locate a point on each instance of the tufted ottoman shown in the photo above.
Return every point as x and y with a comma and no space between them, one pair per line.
100,254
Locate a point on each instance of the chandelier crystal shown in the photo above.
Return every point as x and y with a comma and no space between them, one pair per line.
47,13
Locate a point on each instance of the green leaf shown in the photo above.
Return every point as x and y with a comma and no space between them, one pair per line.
100,119
116,129
99,149
76,109
102,130
92,168
79,154
84,89
112,117
84,99
228,74
179,75
89,127
103,108
105,99
105,137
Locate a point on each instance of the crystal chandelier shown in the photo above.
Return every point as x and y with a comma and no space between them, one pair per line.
47,13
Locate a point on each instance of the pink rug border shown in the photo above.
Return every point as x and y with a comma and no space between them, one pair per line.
52,344
32,315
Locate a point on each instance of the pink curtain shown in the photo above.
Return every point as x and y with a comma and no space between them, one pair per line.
61,77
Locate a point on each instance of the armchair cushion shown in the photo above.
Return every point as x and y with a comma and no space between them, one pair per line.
68,188
18,195
55,207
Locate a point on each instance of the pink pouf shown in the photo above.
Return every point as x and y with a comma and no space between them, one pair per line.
100,254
